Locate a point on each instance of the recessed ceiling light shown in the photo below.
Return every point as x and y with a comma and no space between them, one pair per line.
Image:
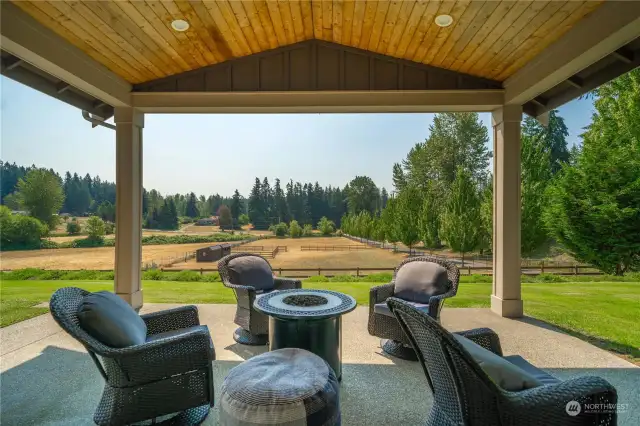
180,25
444,20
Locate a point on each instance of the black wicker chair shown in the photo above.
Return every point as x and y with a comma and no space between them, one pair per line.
170,374
463,394
254,326
386,326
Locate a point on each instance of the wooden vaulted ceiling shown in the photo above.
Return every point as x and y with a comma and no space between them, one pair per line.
134,38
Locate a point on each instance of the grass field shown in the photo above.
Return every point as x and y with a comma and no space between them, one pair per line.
605,313
86,258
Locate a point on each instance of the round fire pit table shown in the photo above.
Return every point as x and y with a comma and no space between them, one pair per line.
307,319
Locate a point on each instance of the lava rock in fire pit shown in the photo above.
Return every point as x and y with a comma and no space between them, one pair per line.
305,300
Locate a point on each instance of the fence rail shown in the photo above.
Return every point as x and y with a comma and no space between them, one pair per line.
268,252
334,248
467,270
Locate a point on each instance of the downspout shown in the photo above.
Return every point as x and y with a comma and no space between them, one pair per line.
96,122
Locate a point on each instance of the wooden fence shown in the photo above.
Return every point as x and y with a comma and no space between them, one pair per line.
362,272
268,252
335,248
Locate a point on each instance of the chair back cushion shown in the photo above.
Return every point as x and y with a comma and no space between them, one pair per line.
418,281
504,373
252,271
109,319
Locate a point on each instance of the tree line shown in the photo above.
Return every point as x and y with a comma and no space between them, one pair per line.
444,193
586,199
308,203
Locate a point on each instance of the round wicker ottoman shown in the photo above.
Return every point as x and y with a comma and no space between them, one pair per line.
291,387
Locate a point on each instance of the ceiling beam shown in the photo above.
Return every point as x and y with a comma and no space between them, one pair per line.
27,39
318,101
608,28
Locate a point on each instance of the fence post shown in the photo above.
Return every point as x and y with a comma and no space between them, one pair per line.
358,272
319,271
201,271
542,267
280,271
468,270
576,270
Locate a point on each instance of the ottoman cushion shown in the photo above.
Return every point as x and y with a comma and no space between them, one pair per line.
292,387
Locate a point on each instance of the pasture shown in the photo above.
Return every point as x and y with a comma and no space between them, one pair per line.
87,258
295,257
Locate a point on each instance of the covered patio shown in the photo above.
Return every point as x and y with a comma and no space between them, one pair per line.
123,60
127,59
47,378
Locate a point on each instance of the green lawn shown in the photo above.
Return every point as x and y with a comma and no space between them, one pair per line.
605,313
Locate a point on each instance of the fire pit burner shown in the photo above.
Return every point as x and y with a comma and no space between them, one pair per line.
305,300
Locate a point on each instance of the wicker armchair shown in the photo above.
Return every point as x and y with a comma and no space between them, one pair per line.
170,373
463,394
253,326
386,326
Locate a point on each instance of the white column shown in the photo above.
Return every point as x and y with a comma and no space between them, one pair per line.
506,298
129,125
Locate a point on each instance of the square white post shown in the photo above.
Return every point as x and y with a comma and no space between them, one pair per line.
506,298
128,258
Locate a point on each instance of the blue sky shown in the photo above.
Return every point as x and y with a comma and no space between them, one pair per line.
217,153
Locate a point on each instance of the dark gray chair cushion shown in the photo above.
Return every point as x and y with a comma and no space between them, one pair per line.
418,281
383,308
504,373
109,319
541,375
252,271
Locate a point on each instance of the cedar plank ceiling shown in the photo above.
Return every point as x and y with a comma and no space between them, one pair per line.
134,39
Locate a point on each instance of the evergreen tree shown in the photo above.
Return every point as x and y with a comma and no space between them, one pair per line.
384,197
552,138
281,209
269,210
399,180
406,216
536,172
429,219
192,206
456,140
256,207
461,215
236,205
594,204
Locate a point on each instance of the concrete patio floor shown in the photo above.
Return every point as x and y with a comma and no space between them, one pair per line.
48,379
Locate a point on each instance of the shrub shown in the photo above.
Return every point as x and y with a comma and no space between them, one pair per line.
186,276
95,228
109,228
23,274
73,228
153,274
318,279
326,226
339,233
211,278
17,231
307,231
549,278
380,277
279,230
345,279
294,229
